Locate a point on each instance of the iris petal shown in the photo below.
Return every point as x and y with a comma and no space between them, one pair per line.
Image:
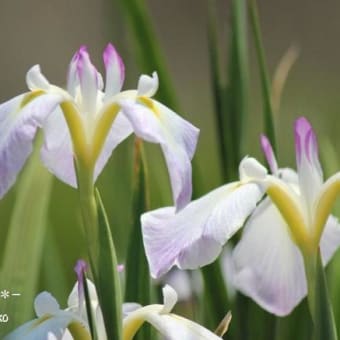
194,236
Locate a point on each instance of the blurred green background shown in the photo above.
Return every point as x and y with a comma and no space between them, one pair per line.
49,32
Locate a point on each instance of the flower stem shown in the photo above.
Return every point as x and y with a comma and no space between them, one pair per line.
101,251
318,299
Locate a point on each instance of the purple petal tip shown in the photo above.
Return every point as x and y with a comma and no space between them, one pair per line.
111,56
305,139
268,153
80,268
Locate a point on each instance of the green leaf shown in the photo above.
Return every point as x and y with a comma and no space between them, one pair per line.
219,91
268,113
90,317
238,74
106,276
25,241
215,295
318,299
137,285
231,101
148,51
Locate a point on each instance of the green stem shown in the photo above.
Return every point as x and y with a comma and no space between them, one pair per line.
318,299
215,294
101,251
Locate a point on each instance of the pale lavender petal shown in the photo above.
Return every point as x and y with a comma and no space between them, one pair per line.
80,268
57,152
194,236
147,86
269,154
19,126
307,159
45,303
267,265
330,239
177,137
89,81
115,71
120,130
48,327
36,80
72,74
175,327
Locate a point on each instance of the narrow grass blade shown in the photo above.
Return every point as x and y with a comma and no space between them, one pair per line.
318,300
268,113
137,285
238,74
149,55
219,92
25,242
90,317
215,295
107,277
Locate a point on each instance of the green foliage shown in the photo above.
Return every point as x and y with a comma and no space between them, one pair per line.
23,253
106,276
137,285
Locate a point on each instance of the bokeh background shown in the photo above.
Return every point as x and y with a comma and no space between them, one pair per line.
49,32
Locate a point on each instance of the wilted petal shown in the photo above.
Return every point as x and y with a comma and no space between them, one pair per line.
268,266
307,159
194,236
115,71
330,239
19,126
156,123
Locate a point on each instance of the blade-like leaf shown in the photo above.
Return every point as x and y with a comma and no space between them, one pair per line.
238,75
219,92
215,295
149,55
318,299
106,276
25,242
268,114
137,285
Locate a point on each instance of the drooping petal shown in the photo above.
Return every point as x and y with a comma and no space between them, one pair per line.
269,154
156,123
57,152
120,130
194,236
147,86
307,159
115,71
19,125
330,239
268,266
